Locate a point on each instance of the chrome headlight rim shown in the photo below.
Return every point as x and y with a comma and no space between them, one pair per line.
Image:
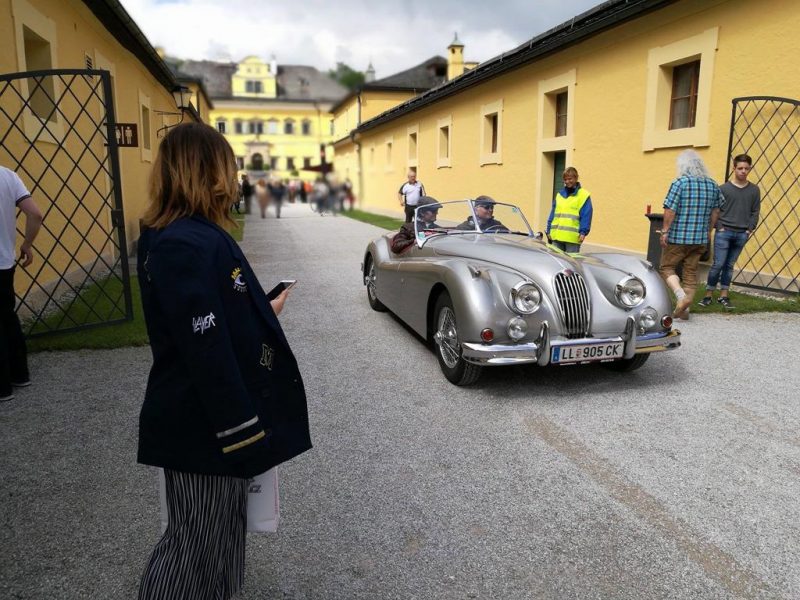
514,296
622,291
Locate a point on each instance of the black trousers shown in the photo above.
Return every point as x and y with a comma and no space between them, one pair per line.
13,353
410,213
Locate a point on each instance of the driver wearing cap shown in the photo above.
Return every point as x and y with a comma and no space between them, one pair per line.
484,211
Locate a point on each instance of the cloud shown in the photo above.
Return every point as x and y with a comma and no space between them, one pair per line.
392,35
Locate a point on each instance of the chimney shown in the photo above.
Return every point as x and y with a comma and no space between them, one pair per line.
369,75
455,58
273,66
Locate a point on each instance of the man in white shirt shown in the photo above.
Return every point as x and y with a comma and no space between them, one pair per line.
13,353
409,194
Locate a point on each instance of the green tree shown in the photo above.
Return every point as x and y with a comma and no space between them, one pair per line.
348,77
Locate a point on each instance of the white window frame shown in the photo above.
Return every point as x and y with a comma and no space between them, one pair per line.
487,157
25,15
444,159
660,63
144,103
412,158
388,145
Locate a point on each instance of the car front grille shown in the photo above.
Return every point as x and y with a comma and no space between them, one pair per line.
573,300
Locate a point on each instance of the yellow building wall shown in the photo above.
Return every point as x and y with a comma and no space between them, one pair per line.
282,145
253,68
608,110
345,119
375,102
76,33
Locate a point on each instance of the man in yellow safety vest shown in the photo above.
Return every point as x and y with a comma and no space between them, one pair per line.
571,214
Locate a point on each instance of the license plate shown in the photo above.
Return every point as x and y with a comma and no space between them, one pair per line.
587,352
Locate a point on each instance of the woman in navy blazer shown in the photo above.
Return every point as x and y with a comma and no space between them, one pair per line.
224,400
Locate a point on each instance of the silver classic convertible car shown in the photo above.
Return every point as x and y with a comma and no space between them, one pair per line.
488,291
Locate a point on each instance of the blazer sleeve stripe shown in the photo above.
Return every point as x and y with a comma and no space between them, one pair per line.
238,428
243,443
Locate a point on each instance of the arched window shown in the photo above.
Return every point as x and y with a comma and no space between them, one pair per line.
288,126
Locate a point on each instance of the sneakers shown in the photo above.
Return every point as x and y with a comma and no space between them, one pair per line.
24,383
726,302
6,397
705,302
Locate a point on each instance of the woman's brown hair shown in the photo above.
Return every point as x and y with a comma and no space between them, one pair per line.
194,174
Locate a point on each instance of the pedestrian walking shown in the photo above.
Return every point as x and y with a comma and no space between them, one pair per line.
262,196
409,194
570,217
247,193
737,221
13,351
690,210
224,399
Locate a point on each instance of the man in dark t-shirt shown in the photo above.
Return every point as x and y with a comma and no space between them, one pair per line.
737,221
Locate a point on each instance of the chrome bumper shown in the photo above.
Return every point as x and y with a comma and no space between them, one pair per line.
539,351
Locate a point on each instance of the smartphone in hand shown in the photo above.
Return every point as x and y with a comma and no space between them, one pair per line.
286,284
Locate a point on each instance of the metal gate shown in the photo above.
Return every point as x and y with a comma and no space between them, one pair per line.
57,132
768,129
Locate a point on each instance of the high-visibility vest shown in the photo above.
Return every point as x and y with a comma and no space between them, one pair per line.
566,217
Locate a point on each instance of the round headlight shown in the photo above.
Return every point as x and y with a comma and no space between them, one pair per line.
517,328
648,318
525,298
630,292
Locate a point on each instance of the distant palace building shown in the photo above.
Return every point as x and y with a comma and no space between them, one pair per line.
276,117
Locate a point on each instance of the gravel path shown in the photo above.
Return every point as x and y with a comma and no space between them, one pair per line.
680,480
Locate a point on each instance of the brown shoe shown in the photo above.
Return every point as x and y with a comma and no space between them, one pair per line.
682,308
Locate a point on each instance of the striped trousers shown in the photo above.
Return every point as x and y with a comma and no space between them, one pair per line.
201,554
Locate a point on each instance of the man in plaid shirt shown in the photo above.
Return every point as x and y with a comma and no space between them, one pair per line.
691,209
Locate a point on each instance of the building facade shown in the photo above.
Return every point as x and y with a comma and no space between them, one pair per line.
274,116
618,92
54,131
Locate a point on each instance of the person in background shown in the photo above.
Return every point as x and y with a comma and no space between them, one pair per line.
570,217
224,400
277,191
737,221
247,193
320,194
409,194
690,210
13,352
262,196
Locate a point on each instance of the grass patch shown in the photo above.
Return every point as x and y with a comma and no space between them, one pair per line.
373,219
129,333
747,303
237,233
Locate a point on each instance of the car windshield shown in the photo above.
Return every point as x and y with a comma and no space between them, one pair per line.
470,216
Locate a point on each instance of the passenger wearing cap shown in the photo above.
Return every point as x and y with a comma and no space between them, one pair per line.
426,219
484,211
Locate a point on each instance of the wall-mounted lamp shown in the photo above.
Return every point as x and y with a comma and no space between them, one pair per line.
183,97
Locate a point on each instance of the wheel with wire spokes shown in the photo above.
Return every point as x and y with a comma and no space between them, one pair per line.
369,279
448,347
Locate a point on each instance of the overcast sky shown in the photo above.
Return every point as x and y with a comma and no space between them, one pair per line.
394,35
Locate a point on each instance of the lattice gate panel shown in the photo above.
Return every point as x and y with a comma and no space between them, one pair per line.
768,129
55,133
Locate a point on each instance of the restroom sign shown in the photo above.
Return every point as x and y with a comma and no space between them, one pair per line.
127,135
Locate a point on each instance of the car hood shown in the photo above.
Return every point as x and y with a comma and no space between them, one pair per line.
526,255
